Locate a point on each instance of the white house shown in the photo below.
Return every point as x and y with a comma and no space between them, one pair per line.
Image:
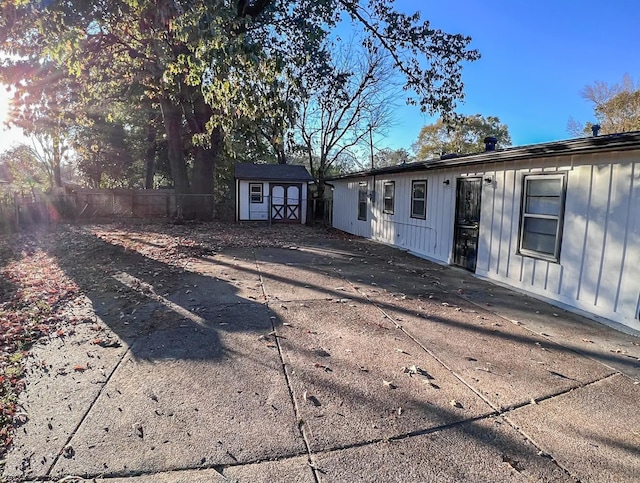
271,192
558,220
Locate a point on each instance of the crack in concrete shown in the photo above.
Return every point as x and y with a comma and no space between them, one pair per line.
497,411
86,414
287,377
501,412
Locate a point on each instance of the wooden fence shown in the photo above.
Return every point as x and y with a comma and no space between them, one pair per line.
20,210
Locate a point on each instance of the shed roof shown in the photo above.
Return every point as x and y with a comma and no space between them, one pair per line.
272,172
612,142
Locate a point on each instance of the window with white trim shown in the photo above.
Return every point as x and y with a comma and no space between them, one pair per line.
542,216
362,201
389,194
255,192
419,199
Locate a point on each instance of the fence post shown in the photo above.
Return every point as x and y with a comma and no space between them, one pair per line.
17,209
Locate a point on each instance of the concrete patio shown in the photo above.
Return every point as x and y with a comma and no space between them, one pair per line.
326,362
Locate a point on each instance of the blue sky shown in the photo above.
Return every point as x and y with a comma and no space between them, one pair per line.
536,58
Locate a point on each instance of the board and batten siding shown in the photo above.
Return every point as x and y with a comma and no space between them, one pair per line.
430,238
598,270
600,250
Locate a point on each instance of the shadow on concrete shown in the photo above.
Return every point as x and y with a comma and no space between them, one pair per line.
398,306
139,297
136,296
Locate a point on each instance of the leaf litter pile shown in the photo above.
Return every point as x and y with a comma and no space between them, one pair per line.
36,292
33,293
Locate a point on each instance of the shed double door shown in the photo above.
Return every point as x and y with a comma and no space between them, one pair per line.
286,203
467,223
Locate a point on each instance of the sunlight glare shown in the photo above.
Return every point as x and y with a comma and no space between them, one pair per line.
8,136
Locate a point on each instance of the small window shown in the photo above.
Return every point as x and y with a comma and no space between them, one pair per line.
389,196
362,202
542,216
419,199
255,190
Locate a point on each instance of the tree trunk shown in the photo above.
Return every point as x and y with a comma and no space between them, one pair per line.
172,116
150,154
57,155
205,158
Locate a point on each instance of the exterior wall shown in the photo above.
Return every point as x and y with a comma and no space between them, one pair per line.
345,207
600,248
252,211
431,238
247,211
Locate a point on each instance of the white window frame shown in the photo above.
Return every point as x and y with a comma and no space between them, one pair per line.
391,198
559,218
423,215
362,199
259,196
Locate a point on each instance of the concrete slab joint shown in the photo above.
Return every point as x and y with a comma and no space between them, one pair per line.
327,361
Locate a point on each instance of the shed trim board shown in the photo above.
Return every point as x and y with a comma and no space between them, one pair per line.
579,243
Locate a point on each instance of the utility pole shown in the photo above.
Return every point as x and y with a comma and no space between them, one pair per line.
371,145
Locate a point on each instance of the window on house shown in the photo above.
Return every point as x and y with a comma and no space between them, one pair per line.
542,216
362,202
419,199
389,196
255,190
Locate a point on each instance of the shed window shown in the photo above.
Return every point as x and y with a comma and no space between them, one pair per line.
255,190
542,216
419,199
389,196
362,201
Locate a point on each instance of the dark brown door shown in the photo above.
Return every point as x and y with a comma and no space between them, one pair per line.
467,223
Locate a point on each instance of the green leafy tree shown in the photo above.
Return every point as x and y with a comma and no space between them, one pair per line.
105,156
24,171
464,136
44,106
616,108
391,157
198,60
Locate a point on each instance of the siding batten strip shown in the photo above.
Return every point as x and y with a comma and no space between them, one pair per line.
586,235
605,235
626,239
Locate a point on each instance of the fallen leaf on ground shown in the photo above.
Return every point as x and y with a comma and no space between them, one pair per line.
389,384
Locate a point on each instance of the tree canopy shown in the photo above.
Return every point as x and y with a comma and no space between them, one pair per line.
210,67
464,136
616,108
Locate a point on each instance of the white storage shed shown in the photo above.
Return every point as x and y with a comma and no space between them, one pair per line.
271,192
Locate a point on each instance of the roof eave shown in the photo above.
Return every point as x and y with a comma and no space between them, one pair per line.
620,142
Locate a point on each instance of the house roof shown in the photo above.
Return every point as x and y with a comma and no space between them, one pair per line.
272,172
612,142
